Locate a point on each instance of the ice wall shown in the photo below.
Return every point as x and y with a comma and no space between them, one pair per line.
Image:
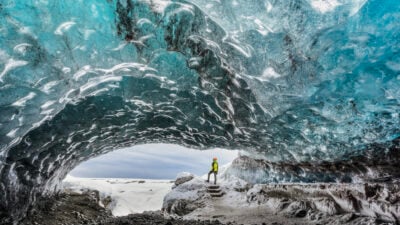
297,80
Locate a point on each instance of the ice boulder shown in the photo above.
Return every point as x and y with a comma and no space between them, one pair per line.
183,177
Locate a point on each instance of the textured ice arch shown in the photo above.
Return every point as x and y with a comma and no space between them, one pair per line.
290,81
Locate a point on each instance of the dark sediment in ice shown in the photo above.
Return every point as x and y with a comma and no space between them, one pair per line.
378,163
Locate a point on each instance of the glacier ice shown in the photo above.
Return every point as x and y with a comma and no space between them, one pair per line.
286,80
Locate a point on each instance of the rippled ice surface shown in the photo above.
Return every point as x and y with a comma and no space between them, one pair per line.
298,80
289,81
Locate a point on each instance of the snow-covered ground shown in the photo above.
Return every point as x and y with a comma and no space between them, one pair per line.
189,197
128,195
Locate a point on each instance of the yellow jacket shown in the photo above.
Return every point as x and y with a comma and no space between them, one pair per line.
214,166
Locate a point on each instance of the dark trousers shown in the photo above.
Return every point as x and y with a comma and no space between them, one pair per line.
215,176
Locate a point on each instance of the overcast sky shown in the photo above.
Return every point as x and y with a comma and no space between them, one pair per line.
152,161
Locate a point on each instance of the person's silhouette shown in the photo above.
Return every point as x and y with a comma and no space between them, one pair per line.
214,169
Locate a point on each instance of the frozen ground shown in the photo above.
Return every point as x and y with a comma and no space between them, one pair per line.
127,195
70,208
291,203
188,198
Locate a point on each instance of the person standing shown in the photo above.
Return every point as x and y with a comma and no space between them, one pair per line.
214,170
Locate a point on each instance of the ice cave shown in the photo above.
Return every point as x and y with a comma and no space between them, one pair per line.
309,89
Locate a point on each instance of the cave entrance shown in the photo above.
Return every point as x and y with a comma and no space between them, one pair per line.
136,179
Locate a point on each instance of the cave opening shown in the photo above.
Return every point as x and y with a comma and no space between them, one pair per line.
136,179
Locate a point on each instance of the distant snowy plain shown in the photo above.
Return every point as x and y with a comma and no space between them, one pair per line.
128,195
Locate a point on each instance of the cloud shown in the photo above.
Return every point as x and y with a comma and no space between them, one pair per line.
152,161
